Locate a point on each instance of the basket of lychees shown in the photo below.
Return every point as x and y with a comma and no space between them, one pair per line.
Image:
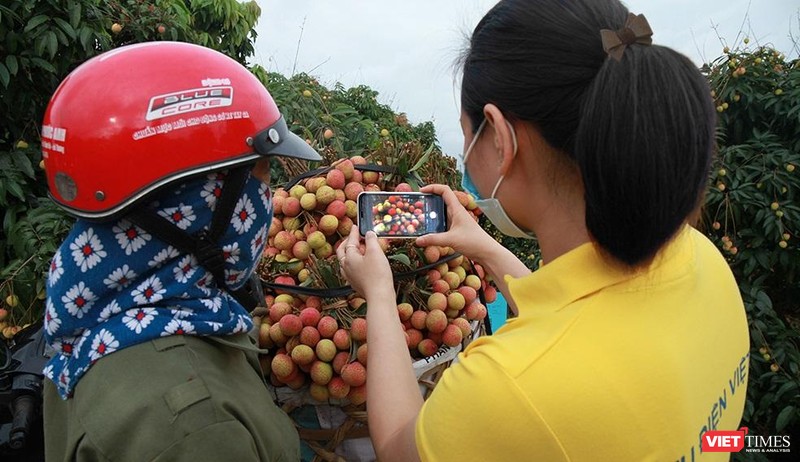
314,325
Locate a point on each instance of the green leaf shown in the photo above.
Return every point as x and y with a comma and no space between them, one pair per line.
64,26
74,14
85,37
402,258
42,64
22,162
52,43
39,45
11,64
35,21
423,159
784,418
4,77
15,190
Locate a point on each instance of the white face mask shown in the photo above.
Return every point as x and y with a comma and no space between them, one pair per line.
491,207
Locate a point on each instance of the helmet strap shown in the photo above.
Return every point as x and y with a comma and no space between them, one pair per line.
203,244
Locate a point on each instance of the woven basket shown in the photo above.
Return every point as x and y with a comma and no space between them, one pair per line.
326,441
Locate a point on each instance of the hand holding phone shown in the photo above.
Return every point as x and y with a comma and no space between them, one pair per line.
401,214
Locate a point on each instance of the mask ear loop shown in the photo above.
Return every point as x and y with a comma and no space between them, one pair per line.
472,143
516,147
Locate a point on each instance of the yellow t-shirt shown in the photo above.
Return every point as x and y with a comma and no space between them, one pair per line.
600,365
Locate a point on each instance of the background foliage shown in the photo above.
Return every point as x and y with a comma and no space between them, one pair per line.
751,210
752,213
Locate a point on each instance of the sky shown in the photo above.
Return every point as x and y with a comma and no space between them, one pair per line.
406,49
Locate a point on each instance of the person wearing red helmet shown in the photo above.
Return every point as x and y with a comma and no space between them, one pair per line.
161,150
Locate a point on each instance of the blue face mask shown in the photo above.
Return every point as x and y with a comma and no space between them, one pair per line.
491,207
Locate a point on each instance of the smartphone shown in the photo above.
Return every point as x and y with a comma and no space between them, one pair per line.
401,214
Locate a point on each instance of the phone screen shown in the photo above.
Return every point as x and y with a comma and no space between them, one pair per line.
401,215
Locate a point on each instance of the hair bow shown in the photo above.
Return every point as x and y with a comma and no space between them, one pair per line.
636,30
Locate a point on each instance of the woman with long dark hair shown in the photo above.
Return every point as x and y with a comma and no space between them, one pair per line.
631,340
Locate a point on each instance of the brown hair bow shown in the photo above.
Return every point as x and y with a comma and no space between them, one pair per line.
636,30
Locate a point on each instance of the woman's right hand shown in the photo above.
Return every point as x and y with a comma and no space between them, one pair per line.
463,233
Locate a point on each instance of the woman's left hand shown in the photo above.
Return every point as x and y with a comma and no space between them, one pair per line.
368,271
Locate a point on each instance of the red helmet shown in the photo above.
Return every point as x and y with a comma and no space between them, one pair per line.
139,117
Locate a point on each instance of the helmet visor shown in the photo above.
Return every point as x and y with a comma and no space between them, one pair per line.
277,140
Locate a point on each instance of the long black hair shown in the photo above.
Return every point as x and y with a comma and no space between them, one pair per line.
640,130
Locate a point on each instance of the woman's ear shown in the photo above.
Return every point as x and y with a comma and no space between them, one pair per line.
503,137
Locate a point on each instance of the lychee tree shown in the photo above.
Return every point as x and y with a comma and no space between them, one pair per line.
752,213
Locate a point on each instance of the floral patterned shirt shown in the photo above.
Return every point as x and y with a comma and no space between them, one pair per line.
112,285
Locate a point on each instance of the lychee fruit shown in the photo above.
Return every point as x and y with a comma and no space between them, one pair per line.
440,286
452,335
291,207
321,372
282,365
427,347
303,354
462,324
324,252
297,191
370,177
337,209
473,281
354,374
358,160
327,326
325,350
456,301
335,179
362,353
352,209
452,280
337,388
357,395
405,310
301,250
291,223
309,336
418,319
339,361
308,201
291,325
490,293
413,337
346,167
352,190
358,329
342,339
475,311
345,225
319,392
437,302
279,310
316,240
284,240
328,224
325,195
468,293
276,335
310,317
432,254
436,321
